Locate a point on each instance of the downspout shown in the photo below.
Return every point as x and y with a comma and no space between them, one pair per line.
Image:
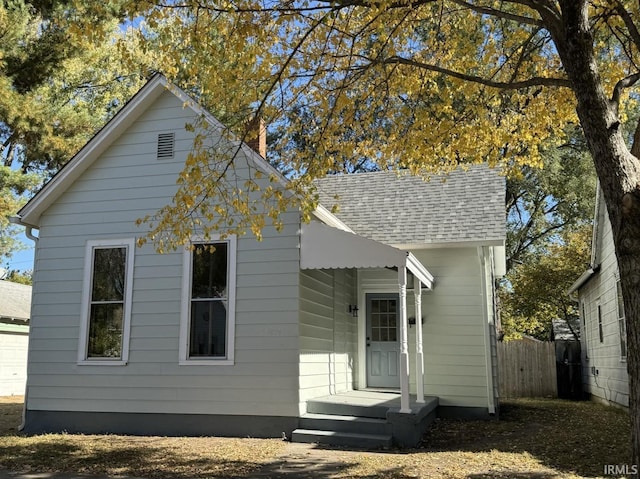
16,220
487,335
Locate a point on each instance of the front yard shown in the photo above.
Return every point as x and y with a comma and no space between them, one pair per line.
535,439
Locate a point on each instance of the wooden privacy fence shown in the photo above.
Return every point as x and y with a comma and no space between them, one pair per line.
527,369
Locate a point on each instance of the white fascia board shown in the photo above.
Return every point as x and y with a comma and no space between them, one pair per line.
448,244
419,271
328,218
582,280
29,215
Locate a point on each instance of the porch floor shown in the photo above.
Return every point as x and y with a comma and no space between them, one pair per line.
376,398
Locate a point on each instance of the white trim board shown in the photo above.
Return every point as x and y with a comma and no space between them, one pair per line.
91,245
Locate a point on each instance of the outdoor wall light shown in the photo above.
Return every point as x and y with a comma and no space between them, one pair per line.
353,309
412,320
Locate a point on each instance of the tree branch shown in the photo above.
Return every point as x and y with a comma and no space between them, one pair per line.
515,85
499,13
621,85
628,21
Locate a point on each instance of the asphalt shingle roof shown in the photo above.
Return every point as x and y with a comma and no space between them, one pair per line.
15,300
465,206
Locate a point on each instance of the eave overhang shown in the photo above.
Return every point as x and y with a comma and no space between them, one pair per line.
583,279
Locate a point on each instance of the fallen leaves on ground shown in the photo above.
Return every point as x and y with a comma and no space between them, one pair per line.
534,439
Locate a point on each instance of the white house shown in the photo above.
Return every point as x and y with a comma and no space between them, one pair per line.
603,338
15,306
307,332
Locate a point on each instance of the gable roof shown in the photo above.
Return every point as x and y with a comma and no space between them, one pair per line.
465,207
15,301
29,215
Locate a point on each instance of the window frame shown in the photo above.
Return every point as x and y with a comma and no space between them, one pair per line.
85,315
185,308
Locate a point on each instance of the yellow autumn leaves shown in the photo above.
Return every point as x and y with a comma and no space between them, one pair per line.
425,87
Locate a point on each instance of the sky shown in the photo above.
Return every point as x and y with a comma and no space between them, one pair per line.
22,260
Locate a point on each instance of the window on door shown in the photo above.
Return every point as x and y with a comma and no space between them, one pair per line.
384,319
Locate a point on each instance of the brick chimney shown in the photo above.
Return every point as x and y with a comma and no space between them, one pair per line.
257,136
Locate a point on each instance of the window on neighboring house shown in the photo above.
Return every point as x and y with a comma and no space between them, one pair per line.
106,301
207,327
622,324
600,332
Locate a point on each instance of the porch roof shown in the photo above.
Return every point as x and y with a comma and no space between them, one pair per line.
324,247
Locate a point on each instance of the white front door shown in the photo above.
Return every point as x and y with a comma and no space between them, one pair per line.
383,347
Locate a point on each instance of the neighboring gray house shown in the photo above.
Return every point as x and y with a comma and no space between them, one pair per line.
603,336
15,310
306,332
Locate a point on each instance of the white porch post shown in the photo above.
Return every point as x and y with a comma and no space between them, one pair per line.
404,342
417,293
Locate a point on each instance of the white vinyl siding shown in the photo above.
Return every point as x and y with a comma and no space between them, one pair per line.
328,333
604,371
118,297
128,182
455,365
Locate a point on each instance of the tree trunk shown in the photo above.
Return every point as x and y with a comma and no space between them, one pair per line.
619,174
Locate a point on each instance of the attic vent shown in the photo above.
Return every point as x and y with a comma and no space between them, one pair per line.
166,143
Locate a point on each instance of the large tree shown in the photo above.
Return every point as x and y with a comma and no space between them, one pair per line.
549,217
545,203
442,83
56,90
536,291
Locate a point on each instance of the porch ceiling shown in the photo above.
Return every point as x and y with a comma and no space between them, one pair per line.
324,247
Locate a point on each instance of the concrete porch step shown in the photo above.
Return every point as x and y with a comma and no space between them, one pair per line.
343,409
352,424
342,438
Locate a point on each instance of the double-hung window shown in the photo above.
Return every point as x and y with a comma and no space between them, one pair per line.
106,302
622,325
208,303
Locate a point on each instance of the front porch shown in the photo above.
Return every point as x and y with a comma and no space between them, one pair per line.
365,418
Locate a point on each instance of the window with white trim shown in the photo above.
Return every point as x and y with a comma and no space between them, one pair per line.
106,302
622,323
207,327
